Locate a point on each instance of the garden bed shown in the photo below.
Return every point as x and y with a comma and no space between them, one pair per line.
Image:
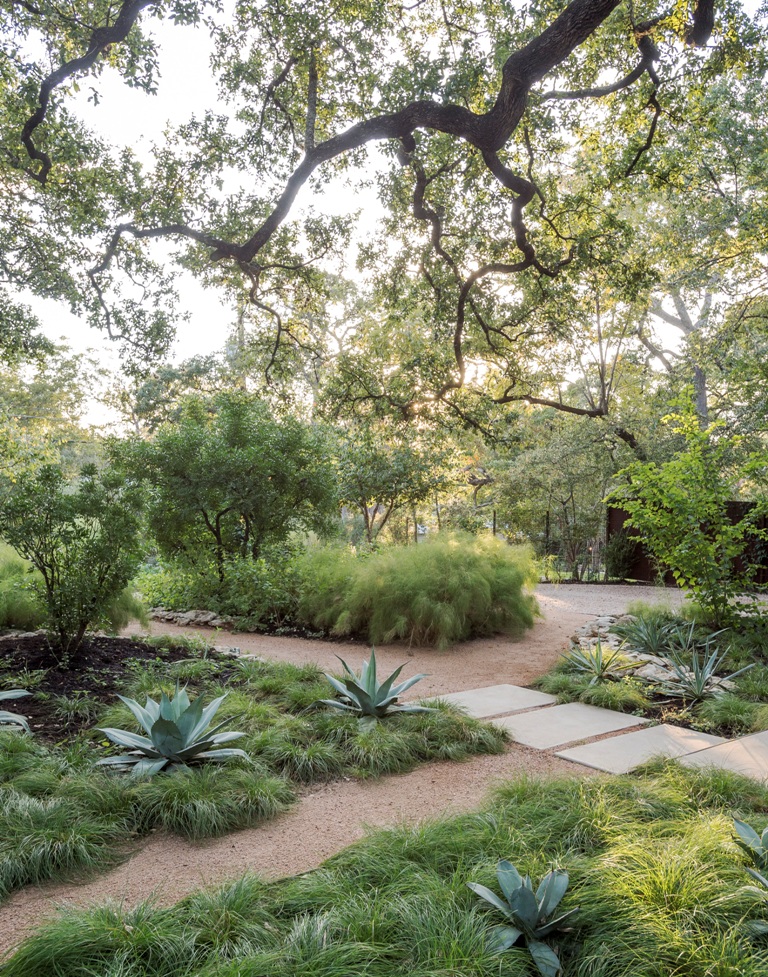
60,815
658,665
659,882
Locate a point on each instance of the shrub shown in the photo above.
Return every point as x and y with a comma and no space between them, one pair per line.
83,540
680,508
261,591
619,554
440,592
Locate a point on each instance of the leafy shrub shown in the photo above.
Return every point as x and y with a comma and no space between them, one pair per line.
619,554
440,592
680,508
259,591
83,540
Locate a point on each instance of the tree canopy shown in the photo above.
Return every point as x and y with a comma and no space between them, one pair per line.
517,145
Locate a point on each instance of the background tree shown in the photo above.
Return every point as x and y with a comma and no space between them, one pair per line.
479,110
227,478
382,472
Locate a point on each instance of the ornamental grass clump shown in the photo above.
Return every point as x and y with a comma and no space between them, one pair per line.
177,735
446,590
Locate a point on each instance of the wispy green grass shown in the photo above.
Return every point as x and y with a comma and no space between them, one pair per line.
653,867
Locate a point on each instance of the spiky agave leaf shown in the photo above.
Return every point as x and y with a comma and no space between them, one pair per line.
178,733
528,913
13,718
370,699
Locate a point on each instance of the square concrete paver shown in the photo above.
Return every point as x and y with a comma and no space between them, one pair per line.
496,700
747,755
620,754
565,724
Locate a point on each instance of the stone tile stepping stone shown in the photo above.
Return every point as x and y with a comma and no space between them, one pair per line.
496,700
565,724
747,756
620,754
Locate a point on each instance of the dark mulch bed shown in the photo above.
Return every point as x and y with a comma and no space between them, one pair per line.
98,670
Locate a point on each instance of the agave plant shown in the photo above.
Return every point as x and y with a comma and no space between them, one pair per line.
596,662
753,844
370,699
13,718
648,634
529,913
698,680
177,735
756,847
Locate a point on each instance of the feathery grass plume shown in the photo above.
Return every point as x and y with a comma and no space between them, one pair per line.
443,591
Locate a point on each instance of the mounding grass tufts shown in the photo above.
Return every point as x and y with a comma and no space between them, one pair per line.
45,837
652,864
446,590
206,802
63,815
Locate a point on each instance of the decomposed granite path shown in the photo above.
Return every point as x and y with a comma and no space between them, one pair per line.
167,868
